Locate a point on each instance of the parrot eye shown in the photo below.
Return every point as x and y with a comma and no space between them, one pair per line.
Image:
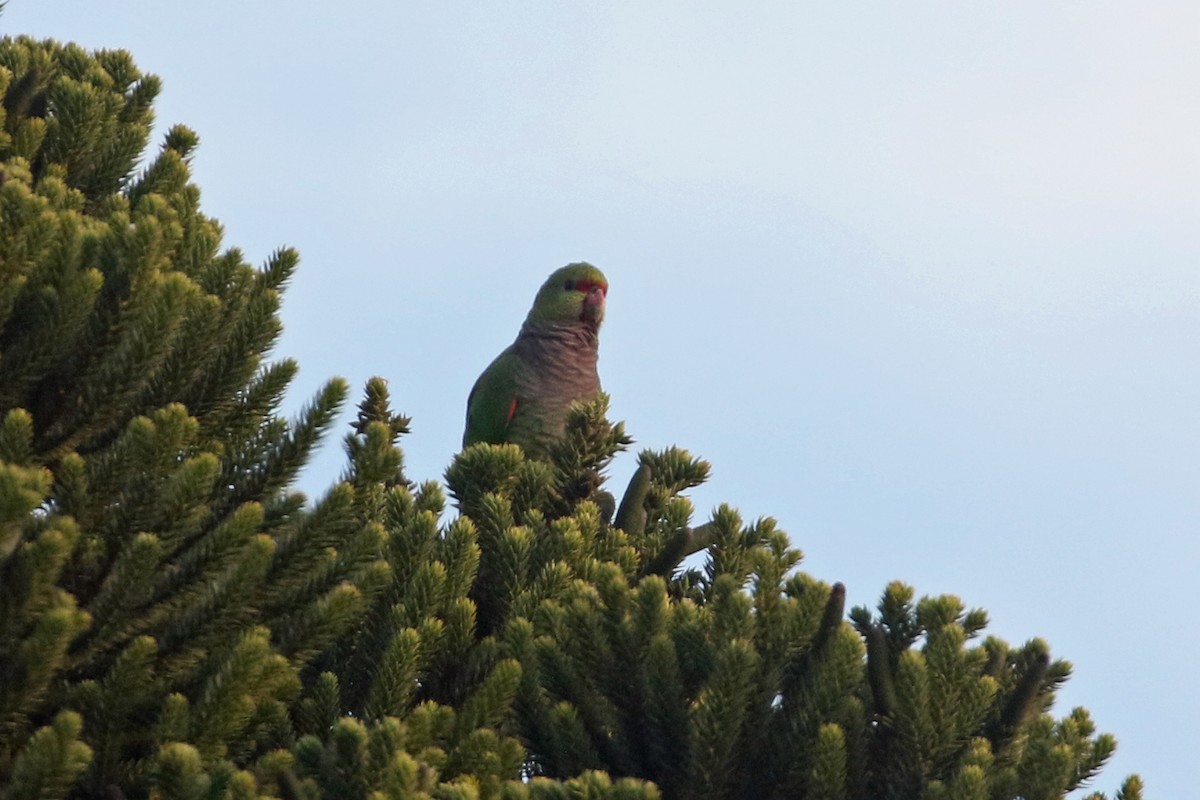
569,286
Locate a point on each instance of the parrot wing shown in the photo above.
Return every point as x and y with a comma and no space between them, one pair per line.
493,401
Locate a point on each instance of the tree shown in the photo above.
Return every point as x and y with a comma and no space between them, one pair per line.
175,622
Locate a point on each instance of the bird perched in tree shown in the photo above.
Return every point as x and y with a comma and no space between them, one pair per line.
523,395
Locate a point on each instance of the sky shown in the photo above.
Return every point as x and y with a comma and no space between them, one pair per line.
920,280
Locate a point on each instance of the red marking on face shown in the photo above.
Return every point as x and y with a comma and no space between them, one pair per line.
594,292
586,285
512,409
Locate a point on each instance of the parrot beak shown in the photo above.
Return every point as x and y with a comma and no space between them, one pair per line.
593,305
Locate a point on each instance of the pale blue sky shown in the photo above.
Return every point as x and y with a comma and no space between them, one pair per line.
921,280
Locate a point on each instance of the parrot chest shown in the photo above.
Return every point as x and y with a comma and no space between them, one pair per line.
556,370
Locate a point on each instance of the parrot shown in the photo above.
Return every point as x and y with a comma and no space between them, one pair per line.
523,396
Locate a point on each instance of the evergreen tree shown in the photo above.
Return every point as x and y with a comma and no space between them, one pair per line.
175,622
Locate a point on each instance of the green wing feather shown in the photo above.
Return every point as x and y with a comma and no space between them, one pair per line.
492,401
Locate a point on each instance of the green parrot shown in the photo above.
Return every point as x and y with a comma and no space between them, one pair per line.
523,395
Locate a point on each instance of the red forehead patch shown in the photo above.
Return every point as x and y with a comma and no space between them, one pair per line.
585,285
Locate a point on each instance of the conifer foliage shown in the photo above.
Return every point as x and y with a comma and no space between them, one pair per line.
176,623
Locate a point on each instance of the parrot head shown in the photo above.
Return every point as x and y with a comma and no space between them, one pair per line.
574,293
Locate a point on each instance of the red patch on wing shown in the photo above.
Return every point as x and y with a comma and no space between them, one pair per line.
512,409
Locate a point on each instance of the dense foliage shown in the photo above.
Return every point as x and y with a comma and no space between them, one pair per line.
176,623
